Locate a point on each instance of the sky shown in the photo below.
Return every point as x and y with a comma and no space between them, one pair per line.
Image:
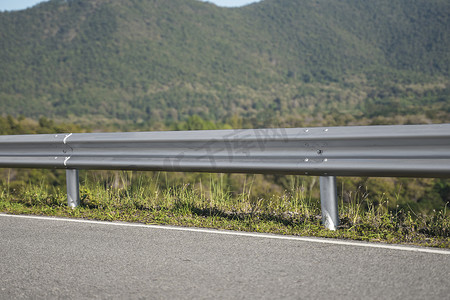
22,4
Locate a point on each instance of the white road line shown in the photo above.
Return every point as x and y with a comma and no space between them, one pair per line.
246,234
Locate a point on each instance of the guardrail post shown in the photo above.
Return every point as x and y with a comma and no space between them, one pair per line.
73,188
329,203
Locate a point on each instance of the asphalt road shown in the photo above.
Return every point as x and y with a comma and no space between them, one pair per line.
64,259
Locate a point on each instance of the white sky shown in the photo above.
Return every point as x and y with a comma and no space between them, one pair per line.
22,4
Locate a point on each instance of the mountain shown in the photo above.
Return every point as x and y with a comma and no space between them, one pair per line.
165,60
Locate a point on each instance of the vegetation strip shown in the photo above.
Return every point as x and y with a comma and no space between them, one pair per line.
214,206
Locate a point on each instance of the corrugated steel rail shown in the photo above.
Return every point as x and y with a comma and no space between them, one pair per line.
397,151
415,151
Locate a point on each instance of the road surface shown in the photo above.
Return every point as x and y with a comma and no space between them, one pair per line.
49,258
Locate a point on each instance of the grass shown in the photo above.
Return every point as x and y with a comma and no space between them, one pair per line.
213,205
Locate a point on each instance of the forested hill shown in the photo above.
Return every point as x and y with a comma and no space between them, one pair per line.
164,60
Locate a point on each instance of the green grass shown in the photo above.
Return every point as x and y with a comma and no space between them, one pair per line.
213,205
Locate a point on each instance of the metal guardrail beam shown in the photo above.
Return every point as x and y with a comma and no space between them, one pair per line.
411,151
395,151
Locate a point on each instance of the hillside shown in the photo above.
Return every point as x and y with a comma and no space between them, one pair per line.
146,61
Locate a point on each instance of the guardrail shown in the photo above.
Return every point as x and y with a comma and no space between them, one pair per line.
395,151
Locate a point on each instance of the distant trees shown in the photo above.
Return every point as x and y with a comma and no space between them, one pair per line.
22,125
170,60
